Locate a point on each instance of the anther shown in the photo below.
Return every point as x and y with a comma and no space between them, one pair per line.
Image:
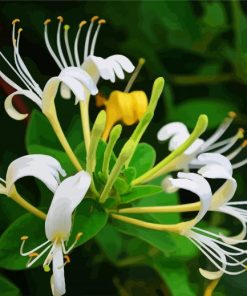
94,18
66,27
232,114
34,254
47,21
141,61
101,21
67,259
79,234
60,18
24,237
15,21
20,30
241,133
82,23
46,268
244,144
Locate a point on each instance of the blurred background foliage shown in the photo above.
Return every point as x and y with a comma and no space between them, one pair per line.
200,47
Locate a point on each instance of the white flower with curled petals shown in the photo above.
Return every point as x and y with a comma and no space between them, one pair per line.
43,167
222,255
58,224
96,67
178,133
77,80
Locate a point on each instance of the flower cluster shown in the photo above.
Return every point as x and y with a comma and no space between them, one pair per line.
78,77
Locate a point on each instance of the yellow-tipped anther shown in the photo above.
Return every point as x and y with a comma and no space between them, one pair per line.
101,21
47,21
141,61
94,18
67,259
46,268
34,254
24,237
20,30
15,21
232,114
82,23
66,27
241,133
244,144
60,18
79,234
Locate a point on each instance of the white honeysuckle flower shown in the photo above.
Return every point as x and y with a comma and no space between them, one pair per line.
178,133
221,254
219,167
108,68
58,224
77,80
43,167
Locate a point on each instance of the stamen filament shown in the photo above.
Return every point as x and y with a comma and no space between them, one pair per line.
134,75
66,41
239,164
200,127
234,153
114,136
33,250
38,257
59,47
78,236
93,19
100,22
76,53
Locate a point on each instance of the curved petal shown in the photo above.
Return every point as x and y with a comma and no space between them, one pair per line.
124,62
67,197
171,129
10,109
58,279
216,158
65,91
82,76
233,240
168,186
43,167
116,67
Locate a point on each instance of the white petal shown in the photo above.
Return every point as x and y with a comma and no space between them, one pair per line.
224,194
116,67
43,167
67,197
10,109
124,62
167,185
65,91
171,129
58,280
82,76
216,158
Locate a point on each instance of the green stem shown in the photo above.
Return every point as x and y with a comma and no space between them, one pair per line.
85,122
200,127
202,79
236,10
114,136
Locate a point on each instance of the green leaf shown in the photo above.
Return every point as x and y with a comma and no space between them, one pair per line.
175,275
130,174
214,15
215,109
143,158
159,239
89,219
139,192
7,288
121,186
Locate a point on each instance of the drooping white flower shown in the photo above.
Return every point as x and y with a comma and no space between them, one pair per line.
58,226
72,64
43,167
221,254
178,133
78,81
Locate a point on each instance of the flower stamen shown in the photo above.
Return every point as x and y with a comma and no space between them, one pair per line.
78,236
100,22
59,47
66,41
93,19
76,53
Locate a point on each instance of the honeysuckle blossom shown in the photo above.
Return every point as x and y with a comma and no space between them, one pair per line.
108,68
221,254
43,167
178,133
58,224
77,80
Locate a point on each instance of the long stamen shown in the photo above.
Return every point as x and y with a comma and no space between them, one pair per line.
67,260
93,19
66,41
237,151
76,53
100,22
48,45
23,239
134,75
219,132
38,257
239,164
49,257
59,47
78,236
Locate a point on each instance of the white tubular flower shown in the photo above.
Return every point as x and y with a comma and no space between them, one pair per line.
77,80
221,254
178,133
43,167
219,167
94,66
58,226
